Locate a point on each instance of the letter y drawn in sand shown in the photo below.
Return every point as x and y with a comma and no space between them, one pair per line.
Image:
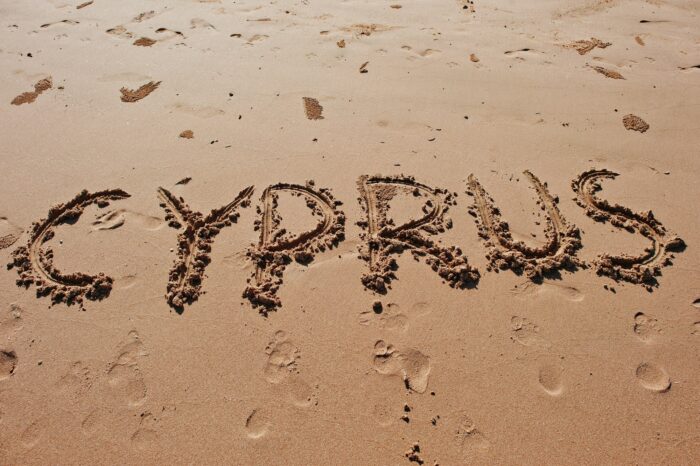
194,243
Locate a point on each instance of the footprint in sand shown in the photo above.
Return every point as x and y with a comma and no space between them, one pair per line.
8,364
410,364
550,378
645,327
281,369
11,322
9,233
696,303
116,218
146,434
653,377
257,424
529,288
696,328
32,434
77,380
390,318
91,422
124,375
526,333
468,438
282,356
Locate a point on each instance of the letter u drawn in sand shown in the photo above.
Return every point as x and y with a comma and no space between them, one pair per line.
194,243
642,268
382,239
35,265
277,248
557,252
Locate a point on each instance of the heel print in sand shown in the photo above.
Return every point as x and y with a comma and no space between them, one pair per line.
562,240
35,265
194,243
382,239
277,248
640,269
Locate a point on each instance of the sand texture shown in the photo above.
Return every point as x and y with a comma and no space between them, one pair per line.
350,232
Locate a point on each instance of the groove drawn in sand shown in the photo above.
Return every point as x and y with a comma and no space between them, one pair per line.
653,377
313,109
35,265
410,364
642,268
382,239
585,46
194,243
277,248
558,251
29,97
131,95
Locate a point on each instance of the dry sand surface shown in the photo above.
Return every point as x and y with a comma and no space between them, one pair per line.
350,232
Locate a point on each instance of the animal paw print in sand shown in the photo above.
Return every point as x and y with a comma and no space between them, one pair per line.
412,365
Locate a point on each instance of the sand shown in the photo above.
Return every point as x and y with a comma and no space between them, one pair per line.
444,233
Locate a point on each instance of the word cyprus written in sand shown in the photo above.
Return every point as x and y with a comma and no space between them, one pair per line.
382,239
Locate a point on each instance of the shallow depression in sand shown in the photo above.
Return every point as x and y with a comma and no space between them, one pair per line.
653,377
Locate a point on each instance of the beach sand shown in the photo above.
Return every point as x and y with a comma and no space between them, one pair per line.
350,232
